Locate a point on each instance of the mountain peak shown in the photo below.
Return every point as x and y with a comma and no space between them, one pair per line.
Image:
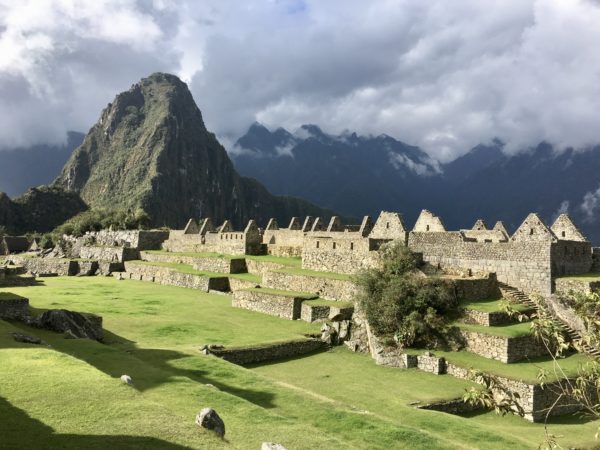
151,150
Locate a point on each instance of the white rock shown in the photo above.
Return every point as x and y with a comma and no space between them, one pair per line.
127,380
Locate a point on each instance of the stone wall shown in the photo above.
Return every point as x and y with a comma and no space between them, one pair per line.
524,265
139,239
313,313
535,400
112,254
339,252
46,266
269,352
571,258
169,276
476,288
13,307
487,319
205,264
428,362
286,251
283,306
564,286
326,288
596,260
504,349
229,243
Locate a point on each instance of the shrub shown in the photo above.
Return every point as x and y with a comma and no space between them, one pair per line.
398,302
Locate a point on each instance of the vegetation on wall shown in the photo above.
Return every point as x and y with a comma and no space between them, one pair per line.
102,218
399,303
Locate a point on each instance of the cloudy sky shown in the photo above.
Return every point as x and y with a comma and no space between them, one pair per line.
444,75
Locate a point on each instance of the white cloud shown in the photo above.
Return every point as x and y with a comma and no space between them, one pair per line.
442,75
590,205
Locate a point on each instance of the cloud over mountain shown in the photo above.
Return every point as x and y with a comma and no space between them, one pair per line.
441,75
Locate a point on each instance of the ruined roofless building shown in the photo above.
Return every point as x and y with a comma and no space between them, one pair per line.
529,260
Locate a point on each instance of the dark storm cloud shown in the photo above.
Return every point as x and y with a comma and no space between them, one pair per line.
442,75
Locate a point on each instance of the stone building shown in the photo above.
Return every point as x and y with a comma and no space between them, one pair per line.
204,237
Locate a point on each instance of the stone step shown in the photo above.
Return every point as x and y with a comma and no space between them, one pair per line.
321,310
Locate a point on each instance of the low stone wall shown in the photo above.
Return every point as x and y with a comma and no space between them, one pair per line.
596,260
260,267
44,266
275,305
566,285
87,267
565,313
112,254
505,349
327,288
207,264
171,277
269,352
476,288
14,307
312,313
107,268
487,319
235,284
535,400
223,265
428,362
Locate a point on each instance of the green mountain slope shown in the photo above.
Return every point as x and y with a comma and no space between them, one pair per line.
151,150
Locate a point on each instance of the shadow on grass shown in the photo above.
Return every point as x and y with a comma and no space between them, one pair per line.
19,431
284,360
149,368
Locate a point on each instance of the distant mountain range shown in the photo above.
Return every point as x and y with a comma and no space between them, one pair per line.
150,150
358,175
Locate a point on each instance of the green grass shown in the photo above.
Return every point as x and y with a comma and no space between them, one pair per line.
330,303
282,293
583,277
508,331
387,393
68,396
489,306
523,370
314,273
186,268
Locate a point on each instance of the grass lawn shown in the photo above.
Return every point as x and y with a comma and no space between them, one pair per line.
186,268
509,331
295,294
68,396
488,306
387,393
314,273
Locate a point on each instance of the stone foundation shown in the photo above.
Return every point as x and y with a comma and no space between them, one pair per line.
313,313
112,254
504,349
206,264
477,288
171,277
428,362
326,288
269,352
286,307
284,250
45,266
487,319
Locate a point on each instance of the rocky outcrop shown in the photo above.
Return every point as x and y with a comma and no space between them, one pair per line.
78,324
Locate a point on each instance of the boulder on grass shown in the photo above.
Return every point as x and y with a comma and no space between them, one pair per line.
209,419
78,324
126,379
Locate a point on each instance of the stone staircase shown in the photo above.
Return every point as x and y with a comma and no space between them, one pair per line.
573,335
